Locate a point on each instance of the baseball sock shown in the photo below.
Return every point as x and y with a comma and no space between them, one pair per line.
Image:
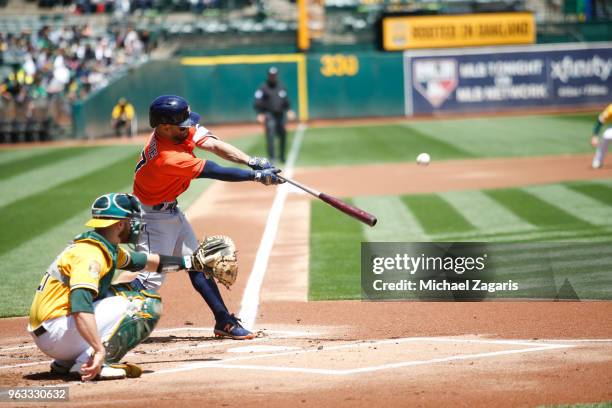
207,288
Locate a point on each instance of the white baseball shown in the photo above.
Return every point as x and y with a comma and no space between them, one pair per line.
423,159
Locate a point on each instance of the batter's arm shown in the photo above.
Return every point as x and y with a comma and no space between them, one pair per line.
138,261
225,150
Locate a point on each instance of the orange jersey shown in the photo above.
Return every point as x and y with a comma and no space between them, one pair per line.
166,169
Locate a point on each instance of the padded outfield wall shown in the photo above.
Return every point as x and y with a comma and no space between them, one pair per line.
505,78
348,85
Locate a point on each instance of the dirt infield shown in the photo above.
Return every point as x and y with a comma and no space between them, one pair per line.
352,353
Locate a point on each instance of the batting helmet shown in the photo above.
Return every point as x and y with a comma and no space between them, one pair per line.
171,110
110,208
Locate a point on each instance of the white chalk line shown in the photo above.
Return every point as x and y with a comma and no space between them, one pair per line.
250,298
531,347
213,343
25,364
376,368
17,348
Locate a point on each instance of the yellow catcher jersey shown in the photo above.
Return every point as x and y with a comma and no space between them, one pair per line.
81,265
605,116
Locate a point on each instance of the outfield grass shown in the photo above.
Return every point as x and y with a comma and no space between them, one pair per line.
373,144
443,139
334,249
563,212
447,139
582,405
46,199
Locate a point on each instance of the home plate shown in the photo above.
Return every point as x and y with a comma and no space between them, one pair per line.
261,349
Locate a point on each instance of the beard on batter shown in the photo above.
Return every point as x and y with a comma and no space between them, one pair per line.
180,135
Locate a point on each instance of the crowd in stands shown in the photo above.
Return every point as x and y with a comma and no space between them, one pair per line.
126,7
48,69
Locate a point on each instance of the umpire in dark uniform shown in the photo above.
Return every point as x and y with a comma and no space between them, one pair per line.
273,110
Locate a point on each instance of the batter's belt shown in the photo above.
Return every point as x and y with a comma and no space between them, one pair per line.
165,206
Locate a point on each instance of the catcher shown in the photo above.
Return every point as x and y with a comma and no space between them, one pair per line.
77,318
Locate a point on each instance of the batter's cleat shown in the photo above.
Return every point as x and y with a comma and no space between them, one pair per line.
59,367
233,329
131,369
596,164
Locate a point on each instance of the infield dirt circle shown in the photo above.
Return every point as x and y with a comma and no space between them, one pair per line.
351,353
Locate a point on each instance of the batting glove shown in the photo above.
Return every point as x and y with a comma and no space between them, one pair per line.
268,176
259,163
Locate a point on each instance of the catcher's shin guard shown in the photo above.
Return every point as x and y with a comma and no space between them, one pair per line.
139,321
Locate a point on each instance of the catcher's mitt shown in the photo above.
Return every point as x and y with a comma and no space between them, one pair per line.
216,256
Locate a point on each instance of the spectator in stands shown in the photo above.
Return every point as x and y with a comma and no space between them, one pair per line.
122,117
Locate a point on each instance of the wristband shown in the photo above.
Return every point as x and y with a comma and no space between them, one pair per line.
187,264
173,263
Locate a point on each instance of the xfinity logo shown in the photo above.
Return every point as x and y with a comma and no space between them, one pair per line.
568,68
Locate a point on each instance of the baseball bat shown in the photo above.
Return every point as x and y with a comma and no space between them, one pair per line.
346,208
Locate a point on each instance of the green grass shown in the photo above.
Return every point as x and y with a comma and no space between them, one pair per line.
31,162
336,243
533,210
515,215
597,191
448,139
581,405
40,212
372,144
447,219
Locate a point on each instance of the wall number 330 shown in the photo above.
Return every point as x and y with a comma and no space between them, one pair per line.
339,65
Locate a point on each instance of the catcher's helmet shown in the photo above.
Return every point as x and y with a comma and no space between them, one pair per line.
110,208
171,110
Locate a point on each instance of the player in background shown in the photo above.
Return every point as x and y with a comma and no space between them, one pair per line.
76,318
165,170
122,117
604,118
273,109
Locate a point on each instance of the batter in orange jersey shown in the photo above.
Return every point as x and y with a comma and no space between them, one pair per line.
166,168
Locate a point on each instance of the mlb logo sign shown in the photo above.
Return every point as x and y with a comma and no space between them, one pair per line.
435,79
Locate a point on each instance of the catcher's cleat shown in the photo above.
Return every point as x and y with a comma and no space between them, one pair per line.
110,371
131,369
57,367
233,329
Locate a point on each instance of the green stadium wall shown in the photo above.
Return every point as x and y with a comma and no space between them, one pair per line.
221,88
